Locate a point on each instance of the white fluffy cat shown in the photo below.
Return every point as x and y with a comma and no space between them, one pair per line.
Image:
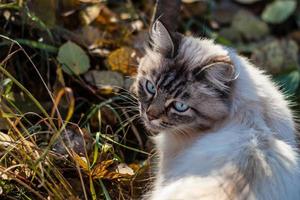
227,134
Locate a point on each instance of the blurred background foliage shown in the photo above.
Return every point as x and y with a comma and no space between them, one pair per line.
69,125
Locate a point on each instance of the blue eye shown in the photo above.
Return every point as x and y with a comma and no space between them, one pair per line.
180,107
150,87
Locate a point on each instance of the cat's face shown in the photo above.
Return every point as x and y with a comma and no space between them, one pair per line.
189,90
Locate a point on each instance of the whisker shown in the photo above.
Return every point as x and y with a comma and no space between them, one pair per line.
126,94
127,121
125,91
126,107
128,100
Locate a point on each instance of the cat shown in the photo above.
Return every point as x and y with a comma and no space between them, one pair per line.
224,130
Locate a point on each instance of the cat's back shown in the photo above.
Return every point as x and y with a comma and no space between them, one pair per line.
233,163
260,102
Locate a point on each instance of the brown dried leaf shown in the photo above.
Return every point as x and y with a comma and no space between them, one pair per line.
106,170
100,170
106,16
136,167
81,161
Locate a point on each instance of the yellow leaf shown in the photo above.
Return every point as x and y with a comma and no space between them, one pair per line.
123,60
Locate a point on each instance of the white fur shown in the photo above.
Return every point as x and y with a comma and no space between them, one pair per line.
259,135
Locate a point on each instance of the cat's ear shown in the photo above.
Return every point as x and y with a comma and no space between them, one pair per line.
220,74
161,40
167,12
163,36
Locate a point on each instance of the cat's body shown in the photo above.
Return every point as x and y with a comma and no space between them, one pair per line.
225,130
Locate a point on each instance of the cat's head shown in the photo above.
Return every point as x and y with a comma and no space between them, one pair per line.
183,83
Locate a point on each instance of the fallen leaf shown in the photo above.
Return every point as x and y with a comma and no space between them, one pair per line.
125,169
106,81
73,59
106,16
81,161
278,11
105,170
249,26
277,56
90,34
124,60
90,13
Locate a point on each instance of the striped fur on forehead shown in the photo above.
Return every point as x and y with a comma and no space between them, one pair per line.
192,53
176,77
193,58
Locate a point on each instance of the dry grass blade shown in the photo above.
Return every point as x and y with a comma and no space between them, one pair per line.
57,102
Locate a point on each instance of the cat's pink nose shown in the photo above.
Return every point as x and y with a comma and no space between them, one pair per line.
151,116
153,112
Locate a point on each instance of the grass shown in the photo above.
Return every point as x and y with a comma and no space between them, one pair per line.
30,168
